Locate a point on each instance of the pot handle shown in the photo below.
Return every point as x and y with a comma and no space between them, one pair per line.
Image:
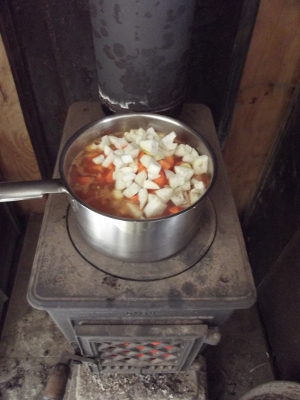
13,191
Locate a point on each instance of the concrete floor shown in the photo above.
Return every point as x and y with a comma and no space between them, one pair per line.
31,344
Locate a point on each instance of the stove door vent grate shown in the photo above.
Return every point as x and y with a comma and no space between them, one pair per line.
141,348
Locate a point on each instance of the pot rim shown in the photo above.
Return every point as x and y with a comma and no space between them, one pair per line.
164,118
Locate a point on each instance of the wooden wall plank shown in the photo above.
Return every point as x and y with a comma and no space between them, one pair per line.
269,79
17,159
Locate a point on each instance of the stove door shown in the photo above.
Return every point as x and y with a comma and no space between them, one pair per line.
142,348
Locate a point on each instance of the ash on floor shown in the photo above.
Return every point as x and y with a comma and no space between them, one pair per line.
182,386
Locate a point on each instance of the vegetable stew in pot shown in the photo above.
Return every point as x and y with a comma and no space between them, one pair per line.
139,174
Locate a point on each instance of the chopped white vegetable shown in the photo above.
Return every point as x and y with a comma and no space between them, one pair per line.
189,158
95,146
128,177
134,166
194,196
113,139
200,164
117,194
120,184
188,148
187,173
126,169
98,159
135,153
186,187
169,146
176,180
180,150
155,207
152,132
150,185
167,153
118,163
178,198
132,190
153,176
122,142
199,186
194,153
119,152
140,178
143,197
109,159
127,158
145,160
149,146
165,194
169,138
159,156
151,196
104,141
134,210
138,135
154,167
107,150
168,173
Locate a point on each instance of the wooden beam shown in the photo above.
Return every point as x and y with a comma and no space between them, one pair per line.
269,79
17,158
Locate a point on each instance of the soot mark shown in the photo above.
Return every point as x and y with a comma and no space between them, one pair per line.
174,295
116,14
96,33
110,281
103,31
108,53
148,14
253,100
169,41
119,50
93,10
189,288
99,65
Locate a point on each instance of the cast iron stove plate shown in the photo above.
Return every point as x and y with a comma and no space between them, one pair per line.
174,265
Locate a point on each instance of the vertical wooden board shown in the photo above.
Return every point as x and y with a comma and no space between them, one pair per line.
268,82
17,159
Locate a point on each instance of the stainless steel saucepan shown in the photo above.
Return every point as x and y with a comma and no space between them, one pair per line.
122,238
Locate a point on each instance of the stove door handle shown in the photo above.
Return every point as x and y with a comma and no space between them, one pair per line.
13,191
57,383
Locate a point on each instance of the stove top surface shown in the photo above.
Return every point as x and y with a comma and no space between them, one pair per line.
213,271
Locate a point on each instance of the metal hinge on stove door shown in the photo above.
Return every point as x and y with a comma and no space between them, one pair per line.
57,382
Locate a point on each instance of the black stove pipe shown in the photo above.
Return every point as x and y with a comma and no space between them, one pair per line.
141,49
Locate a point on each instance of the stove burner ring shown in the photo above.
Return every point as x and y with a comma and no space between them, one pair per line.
175,265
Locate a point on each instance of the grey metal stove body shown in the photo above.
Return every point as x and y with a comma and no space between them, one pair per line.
142,325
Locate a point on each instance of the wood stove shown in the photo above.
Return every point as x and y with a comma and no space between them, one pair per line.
142,317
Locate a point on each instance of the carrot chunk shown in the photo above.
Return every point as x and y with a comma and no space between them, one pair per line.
162,180
174,209
141,167
135,198
165,164
109,176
